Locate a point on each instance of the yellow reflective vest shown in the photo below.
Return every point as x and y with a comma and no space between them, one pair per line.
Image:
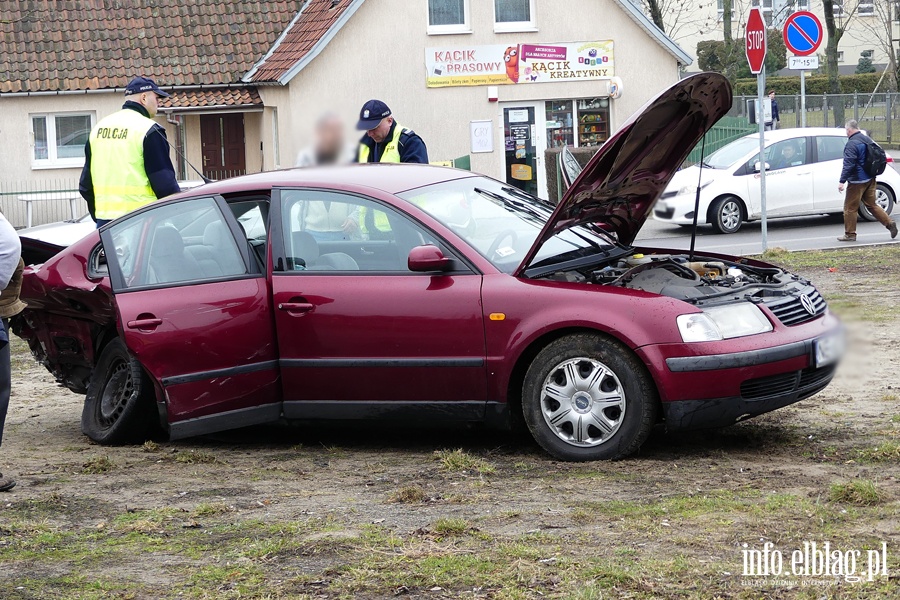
117,164
391,153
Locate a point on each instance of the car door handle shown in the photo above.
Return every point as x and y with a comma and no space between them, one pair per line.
144,323
296,307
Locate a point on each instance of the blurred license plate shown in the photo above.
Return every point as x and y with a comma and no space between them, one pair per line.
828,349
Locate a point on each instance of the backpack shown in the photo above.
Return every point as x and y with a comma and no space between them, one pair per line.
875,161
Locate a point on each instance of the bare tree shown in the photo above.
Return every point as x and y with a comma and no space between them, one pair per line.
835,31
675,16
880,29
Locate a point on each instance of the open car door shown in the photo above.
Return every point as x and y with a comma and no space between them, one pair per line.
194,310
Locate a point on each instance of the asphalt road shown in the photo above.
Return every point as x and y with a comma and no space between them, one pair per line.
798,233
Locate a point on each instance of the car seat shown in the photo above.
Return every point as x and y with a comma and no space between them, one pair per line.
306,248
169,262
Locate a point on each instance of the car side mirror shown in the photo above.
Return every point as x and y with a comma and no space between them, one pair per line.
760,166
427,258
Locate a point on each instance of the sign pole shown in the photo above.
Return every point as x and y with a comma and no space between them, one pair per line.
803,98
755,37
761,121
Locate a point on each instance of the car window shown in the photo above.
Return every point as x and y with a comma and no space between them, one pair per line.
500,222
330,231
731,153
830,147
175,243
787,154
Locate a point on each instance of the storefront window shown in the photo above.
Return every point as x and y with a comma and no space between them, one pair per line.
593,121
560,123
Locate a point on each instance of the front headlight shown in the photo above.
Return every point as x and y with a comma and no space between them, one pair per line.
692,189
723,323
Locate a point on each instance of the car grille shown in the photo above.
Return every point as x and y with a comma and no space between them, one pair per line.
791,311
664,213
805,383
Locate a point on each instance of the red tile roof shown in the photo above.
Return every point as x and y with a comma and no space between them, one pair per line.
232,97
313,23
64,45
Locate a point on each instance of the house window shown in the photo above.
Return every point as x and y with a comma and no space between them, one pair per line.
867,53
866,9
59,139
514,15
766,6
838,8
448,16
840,56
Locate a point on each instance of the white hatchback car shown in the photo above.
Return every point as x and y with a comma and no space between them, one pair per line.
802,171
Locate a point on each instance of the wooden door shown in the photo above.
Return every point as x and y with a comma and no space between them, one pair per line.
222,139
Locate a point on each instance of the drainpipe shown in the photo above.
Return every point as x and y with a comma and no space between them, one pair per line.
178,122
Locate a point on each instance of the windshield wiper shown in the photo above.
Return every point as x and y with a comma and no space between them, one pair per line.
525,196
511,202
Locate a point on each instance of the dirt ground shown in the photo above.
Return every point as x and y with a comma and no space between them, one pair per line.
364,512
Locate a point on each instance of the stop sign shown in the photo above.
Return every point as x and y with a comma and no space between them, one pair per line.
755,37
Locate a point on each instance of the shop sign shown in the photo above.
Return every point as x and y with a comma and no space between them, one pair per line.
524,63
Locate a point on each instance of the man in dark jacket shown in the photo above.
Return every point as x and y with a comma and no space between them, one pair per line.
860,185
385,140
126,157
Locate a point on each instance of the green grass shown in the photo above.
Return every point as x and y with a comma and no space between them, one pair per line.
885,452
457,461
98,464
196,457
861,492
840,259
412,494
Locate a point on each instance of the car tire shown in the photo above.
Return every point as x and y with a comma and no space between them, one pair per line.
884,197
120,406
726,214
603,404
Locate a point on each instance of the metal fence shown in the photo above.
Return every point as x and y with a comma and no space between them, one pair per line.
31,203
878,114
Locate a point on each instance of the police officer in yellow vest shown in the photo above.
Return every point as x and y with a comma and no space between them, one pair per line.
385,141
127,162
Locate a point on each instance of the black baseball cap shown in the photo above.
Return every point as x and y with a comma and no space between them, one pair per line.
139,85
371,114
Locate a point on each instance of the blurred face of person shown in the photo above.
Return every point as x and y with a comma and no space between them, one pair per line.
329,140
380,131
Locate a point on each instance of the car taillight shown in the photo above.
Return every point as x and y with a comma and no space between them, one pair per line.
890,158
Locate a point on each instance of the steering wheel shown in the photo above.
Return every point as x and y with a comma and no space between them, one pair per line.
506,233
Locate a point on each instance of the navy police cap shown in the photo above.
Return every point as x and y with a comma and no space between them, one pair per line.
139,85
371,114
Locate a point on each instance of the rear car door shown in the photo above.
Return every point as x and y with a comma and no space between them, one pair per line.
359,334
194,309
827,171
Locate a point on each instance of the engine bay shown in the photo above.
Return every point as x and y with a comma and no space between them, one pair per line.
700,280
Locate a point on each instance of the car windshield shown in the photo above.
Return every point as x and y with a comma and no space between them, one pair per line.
502,222
733,152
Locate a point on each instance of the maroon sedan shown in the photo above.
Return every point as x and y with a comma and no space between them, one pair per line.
412,292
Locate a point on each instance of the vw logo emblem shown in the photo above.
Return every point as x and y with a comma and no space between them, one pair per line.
807,303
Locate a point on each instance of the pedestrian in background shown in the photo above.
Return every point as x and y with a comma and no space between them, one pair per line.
330,145
772,124
11,267
385,140
860,185
126,157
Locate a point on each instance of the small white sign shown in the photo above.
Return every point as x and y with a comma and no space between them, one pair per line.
518,115
803,63
481,136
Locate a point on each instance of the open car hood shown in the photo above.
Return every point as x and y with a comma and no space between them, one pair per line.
620,184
